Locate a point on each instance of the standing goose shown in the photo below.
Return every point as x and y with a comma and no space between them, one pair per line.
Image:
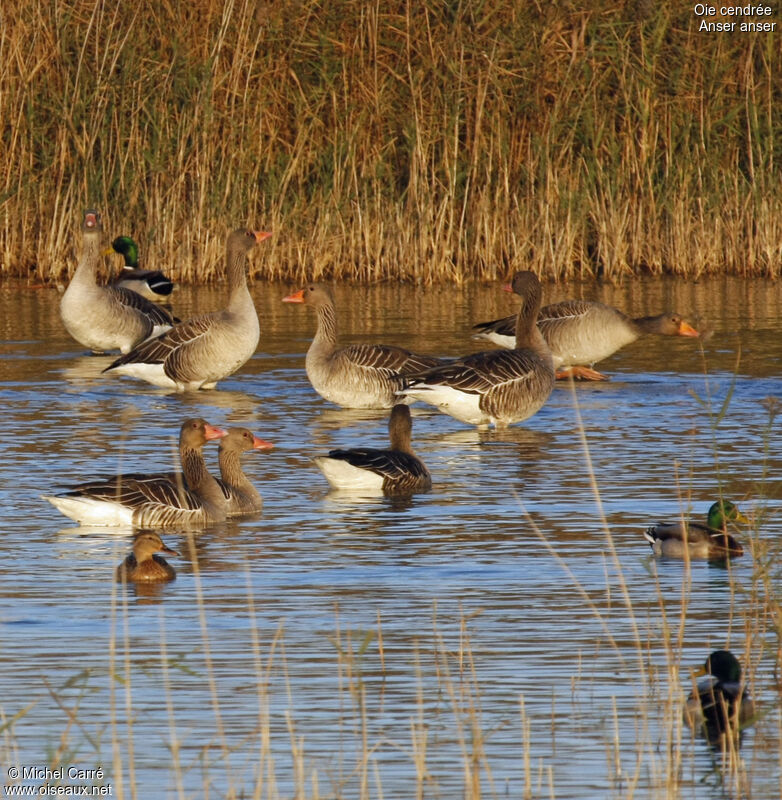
696,540
394,471
106,317
579,332
719,703
197,353
149,283
359,375
243,497
154,501
143,565
495,387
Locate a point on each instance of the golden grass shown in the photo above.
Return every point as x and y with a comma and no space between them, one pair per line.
418,141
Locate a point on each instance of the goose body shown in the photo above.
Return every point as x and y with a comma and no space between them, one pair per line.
106,317
358,375
496,387
694,539
151,284
242,497
193,498
397,470
197,353
143,564
580,333
719,702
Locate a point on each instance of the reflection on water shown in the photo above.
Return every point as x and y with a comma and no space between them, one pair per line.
495,603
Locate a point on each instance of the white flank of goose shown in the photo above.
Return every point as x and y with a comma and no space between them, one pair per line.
358,375
496,387
106,317
197,353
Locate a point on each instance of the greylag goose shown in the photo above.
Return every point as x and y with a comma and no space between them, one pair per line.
495,387
580,333
197,353
696,540
358,375
149,283
243,497
154,501
719,702
394,471
106,317
143,565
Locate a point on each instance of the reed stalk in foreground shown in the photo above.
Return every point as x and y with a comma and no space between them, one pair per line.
420,142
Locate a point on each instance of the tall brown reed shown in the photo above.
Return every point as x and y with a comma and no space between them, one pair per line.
419,141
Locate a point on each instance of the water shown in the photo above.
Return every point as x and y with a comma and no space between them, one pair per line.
486,626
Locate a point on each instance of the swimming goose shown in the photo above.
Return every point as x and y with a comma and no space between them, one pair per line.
359,375
197,353
149,283
579,332
719,702
154,501
394,471
143,565
106,317
243,497
710,541
495,387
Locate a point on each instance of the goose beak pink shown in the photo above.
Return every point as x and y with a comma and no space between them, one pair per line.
261,235
211,432
260,444
296,297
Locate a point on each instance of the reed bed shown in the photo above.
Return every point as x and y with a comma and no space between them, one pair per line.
424,141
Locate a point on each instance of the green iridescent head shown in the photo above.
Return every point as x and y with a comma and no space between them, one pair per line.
127,248
722,512
724,666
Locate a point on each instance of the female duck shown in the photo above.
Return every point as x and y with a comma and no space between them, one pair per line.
696,540
143,564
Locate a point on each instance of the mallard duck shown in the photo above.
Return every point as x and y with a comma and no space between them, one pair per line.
149,283
143,565
357,375
719,701
580,333
197,353
394,471
243,498
710,541
496,387
106,317
166,500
